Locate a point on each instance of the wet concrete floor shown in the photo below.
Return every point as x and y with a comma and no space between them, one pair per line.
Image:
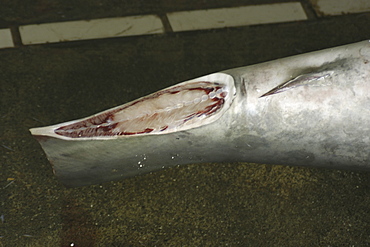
236,204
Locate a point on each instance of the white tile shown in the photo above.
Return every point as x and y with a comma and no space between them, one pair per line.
6,40
338,7
92,29
232,17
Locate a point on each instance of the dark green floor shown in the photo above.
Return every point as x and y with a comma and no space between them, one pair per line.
195,205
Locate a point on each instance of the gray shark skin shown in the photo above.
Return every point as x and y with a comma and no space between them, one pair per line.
308,110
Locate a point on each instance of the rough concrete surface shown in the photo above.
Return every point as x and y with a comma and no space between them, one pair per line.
196,205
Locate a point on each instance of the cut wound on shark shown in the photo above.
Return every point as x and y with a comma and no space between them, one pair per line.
168,110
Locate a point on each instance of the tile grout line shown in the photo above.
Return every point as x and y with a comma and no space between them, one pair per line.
86,30
16,36
164,25
310,11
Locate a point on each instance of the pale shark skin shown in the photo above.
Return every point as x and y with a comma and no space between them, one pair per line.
315,111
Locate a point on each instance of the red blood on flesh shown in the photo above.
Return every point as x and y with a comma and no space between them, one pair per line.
166,110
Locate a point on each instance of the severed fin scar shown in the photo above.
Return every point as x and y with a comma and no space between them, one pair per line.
310,79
